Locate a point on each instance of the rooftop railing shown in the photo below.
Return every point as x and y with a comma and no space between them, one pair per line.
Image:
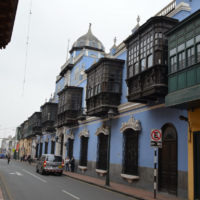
167,9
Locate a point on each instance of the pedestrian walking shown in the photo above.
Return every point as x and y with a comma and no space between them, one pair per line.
25,158
8,158
21,158
29,159
72,162
67,162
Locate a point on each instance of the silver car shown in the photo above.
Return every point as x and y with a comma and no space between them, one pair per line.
50,163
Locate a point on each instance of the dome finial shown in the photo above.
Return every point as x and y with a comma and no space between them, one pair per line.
138,19
115,40
90,25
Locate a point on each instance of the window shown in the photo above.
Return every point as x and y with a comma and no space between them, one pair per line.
102,151
99,88
91,93
95,90
173,64
36,152
81,43
181,60
41,145
190,56
93,44
150,61
83,151
198,53
88,93
158,57
130,152
70,146
52,147
46,148
136,68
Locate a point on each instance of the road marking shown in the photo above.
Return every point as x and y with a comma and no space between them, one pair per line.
17,173
70,194
34,175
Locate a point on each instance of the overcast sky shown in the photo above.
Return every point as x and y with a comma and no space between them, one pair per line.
52,24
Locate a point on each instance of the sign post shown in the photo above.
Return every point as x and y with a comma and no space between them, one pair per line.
156,142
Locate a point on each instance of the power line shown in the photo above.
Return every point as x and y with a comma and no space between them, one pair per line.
27,48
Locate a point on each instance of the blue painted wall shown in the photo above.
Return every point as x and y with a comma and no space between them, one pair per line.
150,119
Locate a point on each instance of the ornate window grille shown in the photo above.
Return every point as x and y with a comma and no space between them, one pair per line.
83,151
61,147
52,147
46,148
102,146
70,146
130,152
41,145
36,152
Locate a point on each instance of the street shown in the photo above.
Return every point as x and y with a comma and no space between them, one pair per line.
23,183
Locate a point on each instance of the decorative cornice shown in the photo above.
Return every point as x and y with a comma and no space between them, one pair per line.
53,138
84,133
60,131
181,6
70,135
131,124
103,129
46,139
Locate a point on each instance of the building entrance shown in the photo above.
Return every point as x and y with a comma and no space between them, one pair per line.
168,161
196,165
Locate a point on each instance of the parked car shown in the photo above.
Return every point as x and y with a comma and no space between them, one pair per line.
50,163
2,156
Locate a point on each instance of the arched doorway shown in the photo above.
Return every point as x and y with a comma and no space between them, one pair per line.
168,160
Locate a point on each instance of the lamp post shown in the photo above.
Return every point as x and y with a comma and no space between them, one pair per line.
110,116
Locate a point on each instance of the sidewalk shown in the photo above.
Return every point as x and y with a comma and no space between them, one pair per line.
119,188
1,195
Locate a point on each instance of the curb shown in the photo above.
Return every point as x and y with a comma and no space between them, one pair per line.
107,188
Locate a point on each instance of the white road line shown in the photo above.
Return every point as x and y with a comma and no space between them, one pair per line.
34,175
70,194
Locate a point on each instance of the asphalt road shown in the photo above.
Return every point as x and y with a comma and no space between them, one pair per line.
23,183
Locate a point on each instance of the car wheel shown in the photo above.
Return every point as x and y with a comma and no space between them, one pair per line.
60,173
37,170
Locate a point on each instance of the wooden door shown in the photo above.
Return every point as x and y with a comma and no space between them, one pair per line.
196,165
168,161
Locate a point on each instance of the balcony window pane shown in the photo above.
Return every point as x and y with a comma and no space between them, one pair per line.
198,38
182,60
198,53
181,47
173,64
136,68
91,94
190,56
95,89
143,64
158,56
173,51
116,87
130,71
99,88
88,93
190,42
150,61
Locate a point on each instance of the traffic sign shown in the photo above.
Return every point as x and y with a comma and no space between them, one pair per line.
156,138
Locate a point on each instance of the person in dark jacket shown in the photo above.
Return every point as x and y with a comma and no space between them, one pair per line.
72,162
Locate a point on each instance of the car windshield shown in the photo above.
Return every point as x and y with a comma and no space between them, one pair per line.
53,158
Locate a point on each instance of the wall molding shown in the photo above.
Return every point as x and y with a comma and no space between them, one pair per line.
84,132
70,135
181,6
103,129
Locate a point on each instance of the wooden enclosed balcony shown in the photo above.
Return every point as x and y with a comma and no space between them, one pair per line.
70,101
147,60
35,125
104,86
49,114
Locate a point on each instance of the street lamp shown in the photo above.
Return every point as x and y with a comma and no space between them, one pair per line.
110,116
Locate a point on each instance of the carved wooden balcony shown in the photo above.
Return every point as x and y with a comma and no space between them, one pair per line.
35,125
8,11
49,115
81,114
25,129
104,86
147,60
70,101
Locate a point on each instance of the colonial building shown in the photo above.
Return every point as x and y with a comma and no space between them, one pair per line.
184,89
132,80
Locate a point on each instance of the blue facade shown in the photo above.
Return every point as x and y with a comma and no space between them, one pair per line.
154,115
